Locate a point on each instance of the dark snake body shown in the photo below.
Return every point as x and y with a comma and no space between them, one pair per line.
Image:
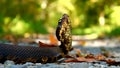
22,54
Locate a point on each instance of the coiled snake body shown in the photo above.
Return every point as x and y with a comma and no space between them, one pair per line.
22,54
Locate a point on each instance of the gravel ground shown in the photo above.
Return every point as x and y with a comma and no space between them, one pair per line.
95,50
115,51
61,65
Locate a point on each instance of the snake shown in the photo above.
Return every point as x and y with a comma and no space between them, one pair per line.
23,54
63,33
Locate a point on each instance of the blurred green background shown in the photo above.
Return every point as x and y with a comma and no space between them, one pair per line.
99,17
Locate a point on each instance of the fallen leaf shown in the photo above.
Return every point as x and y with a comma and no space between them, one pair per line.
71,60
45,45
80,59
100,57
53,39
85,59
112,62
90,56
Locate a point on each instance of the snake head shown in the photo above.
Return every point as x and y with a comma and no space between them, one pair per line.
63,33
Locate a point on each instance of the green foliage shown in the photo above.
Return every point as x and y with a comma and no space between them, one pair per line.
114,32
41,16
38,27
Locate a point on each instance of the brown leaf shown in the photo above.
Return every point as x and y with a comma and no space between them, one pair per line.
85,59
71,60
90,56
112,62
100,57
80,59
53,39
45,45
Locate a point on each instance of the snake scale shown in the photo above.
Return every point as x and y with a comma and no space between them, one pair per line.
22,54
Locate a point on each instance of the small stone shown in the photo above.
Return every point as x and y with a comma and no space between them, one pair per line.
28,63
38,64
8,64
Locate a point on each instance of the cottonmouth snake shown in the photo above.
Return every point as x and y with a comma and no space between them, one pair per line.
22,54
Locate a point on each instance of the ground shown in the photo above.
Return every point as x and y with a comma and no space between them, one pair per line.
97,46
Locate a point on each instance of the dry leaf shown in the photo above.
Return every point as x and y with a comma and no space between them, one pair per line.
71,60
45,45
100,57
53,40
80,59
112,62
85,59
90,56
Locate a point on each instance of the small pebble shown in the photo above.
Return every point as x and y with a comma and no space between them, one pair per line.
8,64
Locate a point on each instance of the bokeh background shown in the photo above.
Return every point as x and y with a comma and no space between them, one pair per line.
26,17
